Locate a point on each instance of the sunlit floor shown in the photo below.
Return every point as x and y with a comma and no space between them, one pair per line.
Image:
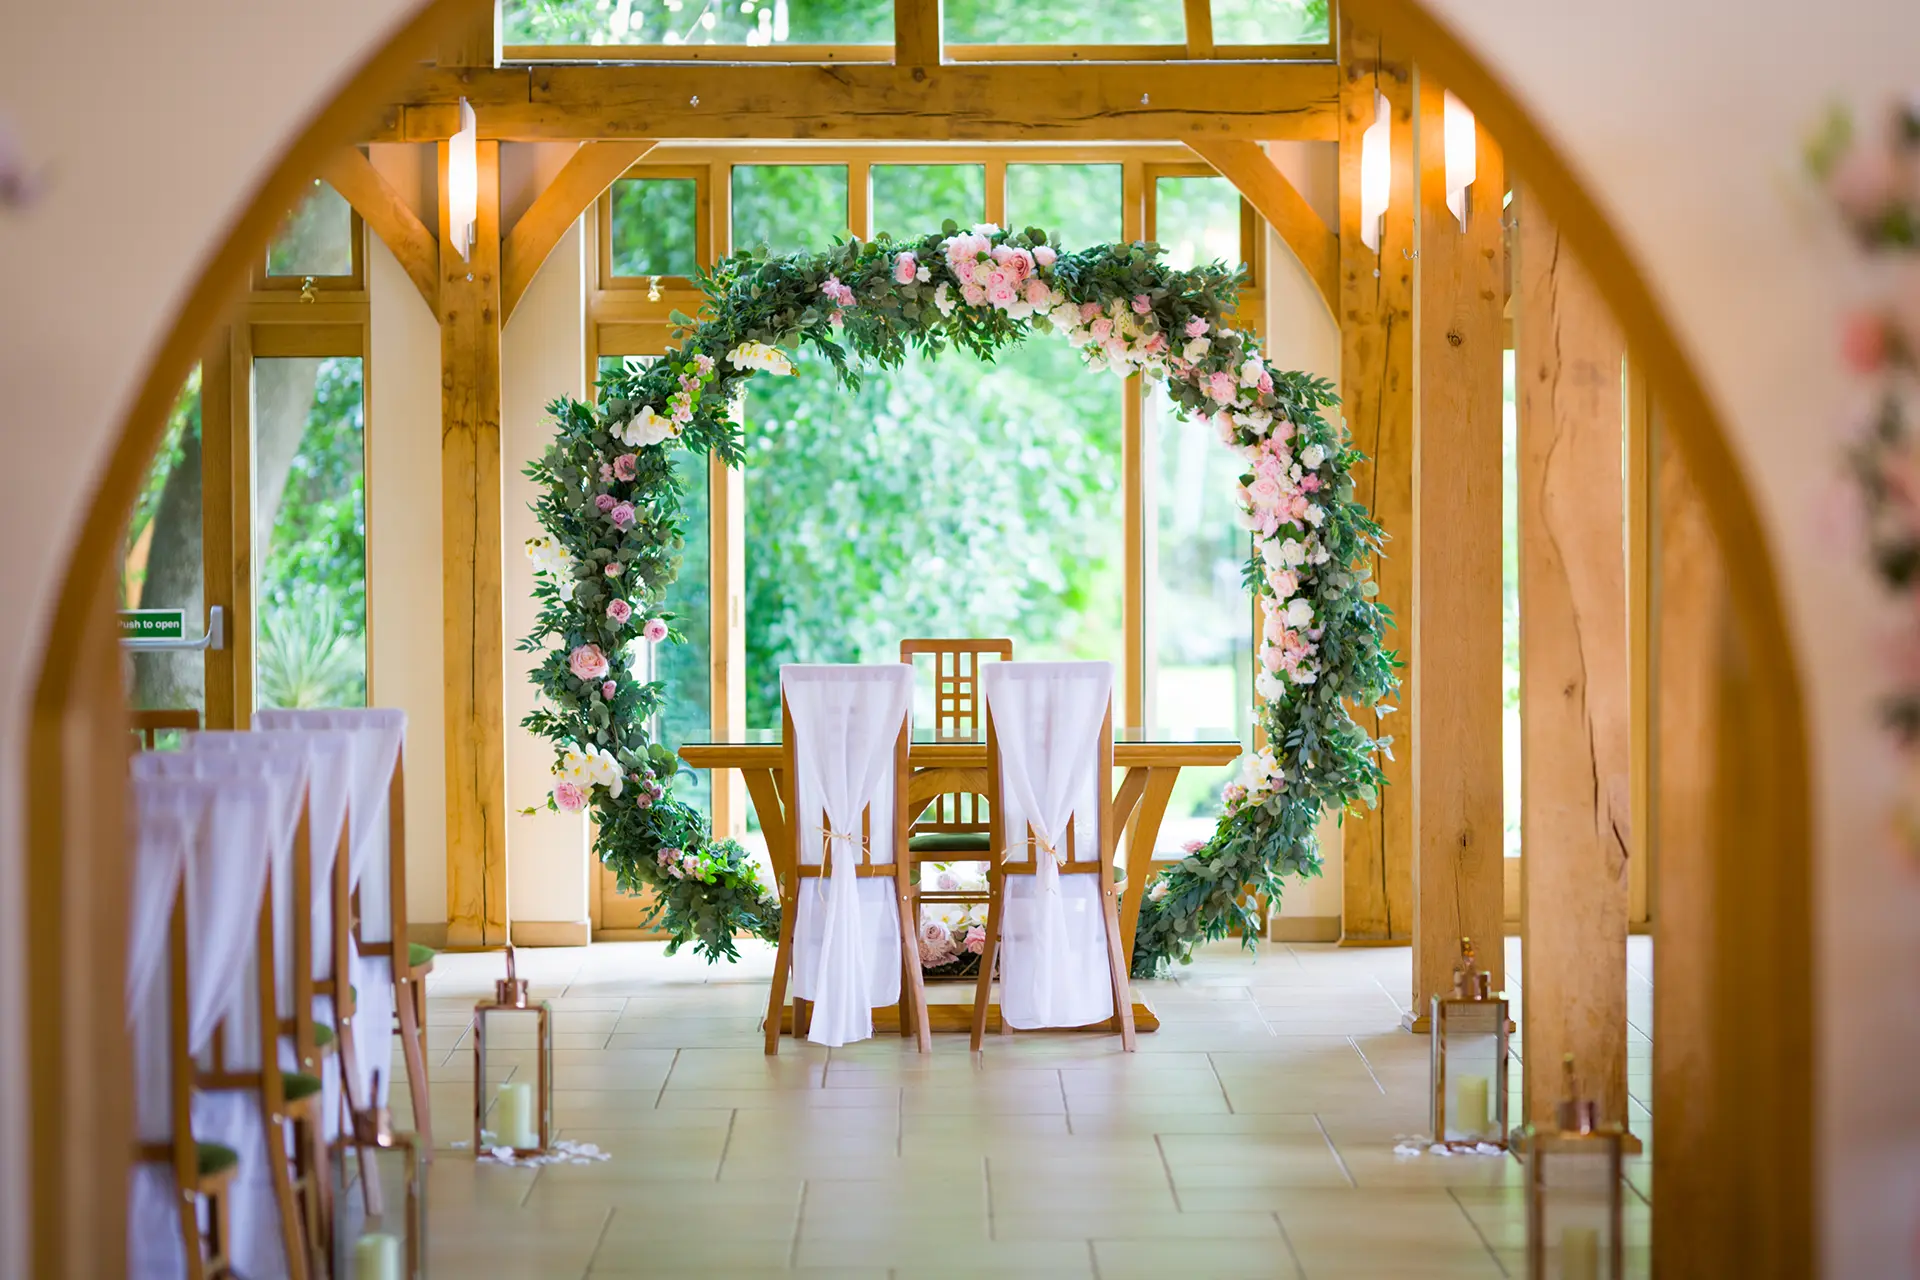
1252,1135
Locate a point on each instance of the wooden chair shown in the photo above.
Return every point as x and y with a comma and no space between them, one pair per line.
411,962
1101,864
149,725
801,827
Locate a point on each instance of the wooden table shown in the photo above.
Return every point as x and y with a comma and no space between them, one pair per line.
1151,768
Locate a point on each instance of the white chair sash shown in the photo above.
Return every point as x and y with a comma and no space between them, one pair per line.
847,721
1053,941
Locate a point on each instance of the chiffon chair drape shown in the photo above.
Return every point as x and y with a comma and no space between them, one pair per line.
1046,719
847,722
378,734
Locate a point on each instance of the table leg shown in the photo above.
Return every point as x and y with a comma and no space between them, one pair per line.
1141,835
763,786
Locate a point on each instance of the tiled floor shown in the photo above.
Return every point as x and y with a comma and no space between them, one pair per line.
1251,1136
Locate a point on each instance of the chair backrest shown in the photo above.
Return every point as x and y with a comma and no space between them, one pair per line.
956,682
149,725
1050,762
167,818
844,735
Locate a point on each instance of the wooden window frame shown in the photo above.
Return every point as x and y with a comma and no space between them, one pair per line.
702,178
354,282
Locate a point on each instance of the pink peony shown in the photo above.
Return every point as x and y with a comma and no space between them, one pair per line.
1196,327
1265,492
588,662
1102,329
963,270
904,268
569,797
1142,305
1003,294
619,611
623,466
621,515
1863,342
976,940
1088,310
604,502
1221,386
608,689
1037,292
973,294
655,630
1043,255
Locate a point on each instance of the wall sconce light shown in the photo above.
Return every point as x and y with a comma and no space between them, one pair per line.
1376,172
1463,159
463,181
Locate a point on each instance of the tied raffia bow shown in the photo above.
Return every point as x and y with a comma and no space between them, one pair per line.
1040,846
831,835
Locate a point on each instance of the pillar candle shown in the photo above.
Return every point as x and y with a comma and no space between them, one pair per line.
513,1120
1470,1105
376,1257
1579,1253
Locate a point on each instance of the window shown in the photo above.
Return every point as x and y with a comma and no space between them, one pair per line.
310,528
1198,220
1021,22
693,23
1266,22
318,239
785,208
1078,204
654,227
909,200
162,561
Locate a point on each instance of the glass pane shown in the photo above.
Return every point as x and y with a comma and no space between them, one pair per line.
162,562
655,225
1021,22
685,667
786,208
910,200
1270,22
697,22
967,499
1078,204
1197,220
318,238
1201,628
310,533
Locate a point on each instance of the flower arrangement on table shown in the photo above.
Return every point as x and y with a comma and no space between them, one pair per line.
953,934
614,534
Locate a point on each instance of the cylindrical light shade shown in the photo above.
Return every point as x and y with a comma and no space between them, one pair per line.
1462,154
1376,171
463,181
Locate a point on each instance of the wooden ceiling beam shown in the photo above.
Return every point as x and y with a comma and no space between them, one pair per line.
587,173
1174,101
418,250
1252,171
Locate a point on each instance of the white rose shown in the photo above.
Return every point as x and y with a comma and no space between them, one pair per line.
1251,370
1195,349
1305,674
1313,455
1320,555
1299,614
1268,685
1315,516
1292,553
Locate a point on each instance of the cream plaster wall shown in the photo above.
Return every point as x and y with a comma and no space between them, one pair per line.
543,356
1686,118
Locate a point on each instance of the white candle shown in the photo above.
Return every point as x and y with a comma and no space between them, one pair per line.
376,1257
1579,1253
1470,1105
513,1119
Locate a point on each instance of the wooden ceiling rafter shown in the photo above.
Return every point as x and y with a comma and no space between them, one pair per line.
1250,169
587,173
417,249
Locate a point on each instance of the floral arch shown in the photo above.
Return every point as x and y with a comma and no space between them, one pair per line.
614,532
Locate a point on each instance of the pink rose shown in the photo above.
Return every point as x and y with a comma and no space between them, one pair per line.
994,279
1155,344
1196,327
837,292
962,270
1193,846
1002,295
623,466
1116,347
588,662
614,569
1221,386
621,515
1266,383
1088,310
1037,292
655,630
904,267
1102,329
1863,342
973,294
947,881
1142,305
605,502
1044,255
976,940
1265,492
619,611
608,689
569,797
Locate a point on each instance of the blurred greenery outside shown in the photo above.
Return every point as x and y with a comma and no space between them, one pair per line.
811,22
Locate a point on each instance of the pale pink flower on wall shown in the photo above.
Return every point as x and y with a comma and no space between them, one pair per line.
962,270
1088,310
655,630
994,279
588,662
1116,348
619,611
905,267
623,466
1865,181
569,797
947,881
621,515
1196,327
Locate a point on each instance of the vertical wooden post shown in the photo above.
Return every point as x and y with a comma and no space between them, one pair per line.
1640,574
916,33
1458,824
1376,392
1133,462
726,566
1573,676
218,392
473,39
470,495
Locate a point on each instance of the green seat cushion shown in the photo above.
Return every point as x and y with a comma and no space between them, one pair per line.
322,1035
300,1085
214,1158
418,953
980,842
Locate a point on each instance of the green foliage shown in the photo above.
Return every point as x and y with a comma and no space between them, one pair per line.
307,658
612,507
653,227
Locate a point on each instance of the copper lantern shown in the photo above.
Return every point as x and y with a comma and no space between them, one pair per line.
1574,1202
379,1200
513,1113
1469,1051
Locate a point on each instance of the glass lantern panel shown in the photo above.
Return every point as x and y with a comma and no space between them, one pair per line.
507,1081
379,1211
1470,1038
1576,1183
